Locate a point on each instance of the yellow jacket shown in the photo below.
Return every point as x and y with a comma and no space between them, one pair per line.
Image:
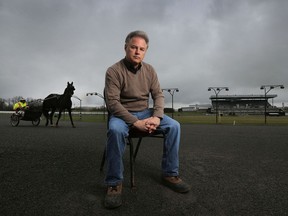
19,105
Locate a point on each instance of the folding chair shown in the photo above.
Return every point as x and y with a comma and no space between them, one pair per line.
134,133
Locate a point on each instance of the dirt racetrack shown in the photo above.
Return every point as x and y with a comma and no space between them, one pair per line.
233,170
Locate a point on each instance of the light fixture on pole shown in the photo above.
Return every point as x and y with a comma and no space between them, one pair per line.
74,96
101,96
217,91
171,91
268,88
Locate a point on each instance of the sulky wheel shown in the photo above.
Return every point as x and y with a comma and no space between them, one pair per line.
36,122
14,120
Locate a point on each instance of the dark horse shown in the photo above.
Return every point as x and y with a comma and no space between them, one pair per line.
60,102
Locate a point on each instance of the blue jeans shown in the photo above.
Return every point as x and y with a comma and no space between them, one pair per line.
116,144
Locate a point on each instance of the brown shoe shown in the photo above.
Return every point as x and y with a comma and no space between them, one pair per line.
113,197
176,184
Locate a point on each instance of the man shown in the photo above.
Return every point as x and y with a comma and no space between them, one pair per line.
128,84
20,106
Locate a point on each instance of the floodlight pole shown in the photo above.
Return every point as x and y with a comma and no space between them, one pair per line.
217,91
268,88
74,96
101,96
171,92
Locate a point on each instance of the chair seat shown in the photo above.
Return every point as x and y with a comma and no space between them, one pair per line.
135,133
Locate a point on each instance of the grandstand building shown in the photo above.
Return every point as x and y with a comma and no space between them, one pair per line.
195,108
244,104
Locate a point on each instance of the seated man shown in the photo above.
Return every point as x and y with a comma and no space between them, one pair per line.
20,107
128,84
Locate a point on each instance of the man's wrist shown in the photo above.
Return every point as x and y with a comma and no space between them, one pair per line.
157,117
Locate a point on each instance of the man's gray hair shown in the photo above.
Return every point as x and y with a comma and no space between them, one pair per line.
141,34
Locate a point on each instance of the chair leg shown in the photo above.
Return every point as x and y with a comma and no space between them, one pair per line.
131,162
131,146
137,148
103,160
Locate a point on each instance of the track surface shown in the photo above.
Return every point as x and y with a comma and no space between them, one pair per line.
233,170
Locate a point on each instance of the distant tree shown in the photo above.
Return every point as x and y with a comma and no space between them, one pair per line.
2,104
168,110
7,104
16,99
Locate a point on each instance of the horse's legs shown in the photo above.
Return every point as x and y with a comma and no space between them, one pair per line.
51,116
59,116
69,110
46,114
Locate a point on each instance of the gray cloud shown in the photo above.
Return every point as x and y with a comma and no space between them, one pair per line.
194,45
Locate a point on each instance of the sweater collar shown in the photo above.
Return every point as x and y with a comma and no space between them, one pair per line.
130,66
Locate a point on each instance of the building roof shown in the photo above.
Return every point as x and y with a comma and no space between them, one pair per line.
242,97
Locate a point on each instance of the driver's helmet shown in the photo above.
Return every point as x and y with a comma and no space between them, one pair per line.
22,100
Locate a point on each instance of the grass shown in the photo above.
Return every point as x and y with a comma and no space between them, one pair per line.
233,120
192,118
200,118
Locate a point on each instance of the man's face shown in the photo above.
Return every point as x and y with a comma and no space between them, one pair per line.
135,50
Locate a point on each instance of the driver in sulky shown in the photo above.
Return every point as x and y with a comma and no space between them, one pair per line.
20,107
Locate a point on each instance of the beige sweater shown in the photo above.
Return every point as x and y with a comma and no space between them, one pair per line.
127,90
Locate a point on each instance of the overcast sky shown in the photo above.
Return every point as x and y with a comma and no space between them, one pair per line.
194,44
